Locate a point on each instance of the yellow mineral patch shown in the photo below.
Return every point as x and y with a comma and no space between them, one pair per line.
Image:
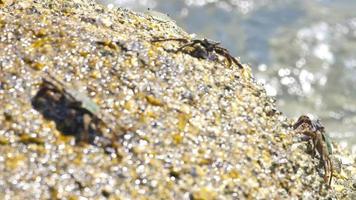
37,66
69,149
182,121
266,159
92,62
5,2
177,138
54,193
84,53
186,158
250,152
95,74
133,62
200,170
2,22
40,149
205,161
154,101
4,141
217,118
73,197
110,44
151,114
204,194
14,161
130,105
26,139
78,159
234,174
40,42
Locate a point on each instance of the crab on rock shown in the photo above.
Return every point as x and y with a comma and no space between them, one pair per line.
321,144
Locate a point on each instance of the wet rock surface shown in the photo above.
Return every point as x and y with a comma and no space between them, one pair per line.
183,127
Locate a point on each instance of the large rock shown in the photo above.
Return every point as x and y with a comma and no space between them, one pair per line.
181,126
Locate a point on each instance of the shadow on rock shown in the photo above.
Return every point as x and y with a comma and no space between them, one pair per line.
56,104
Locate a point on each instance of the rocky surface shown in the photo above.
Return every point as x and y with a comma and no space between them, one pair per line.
184,127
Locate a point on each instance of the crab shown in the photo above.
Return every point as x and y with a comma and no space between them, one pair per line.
321,143
203,48
73,112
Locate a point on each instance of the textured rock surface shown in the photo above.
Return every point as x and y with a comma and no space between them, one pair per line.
189,128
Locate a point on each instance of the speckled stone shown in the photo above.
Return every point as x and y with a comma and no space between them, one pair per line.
184,127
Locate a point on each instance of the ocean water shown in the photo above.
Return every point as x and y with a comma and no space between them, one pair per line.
303,51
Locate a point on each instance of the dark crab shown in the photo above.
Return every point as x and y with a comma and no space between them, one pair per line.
203,48
321,143
73,112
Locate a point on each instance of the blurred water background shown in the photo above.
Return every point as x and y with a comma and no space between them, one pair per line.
303,51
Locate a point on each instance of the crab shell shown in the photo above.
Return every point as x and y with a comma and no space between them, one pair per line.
86,102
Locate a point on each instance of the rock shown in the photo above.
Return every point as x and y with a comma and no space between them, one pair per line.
175,125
